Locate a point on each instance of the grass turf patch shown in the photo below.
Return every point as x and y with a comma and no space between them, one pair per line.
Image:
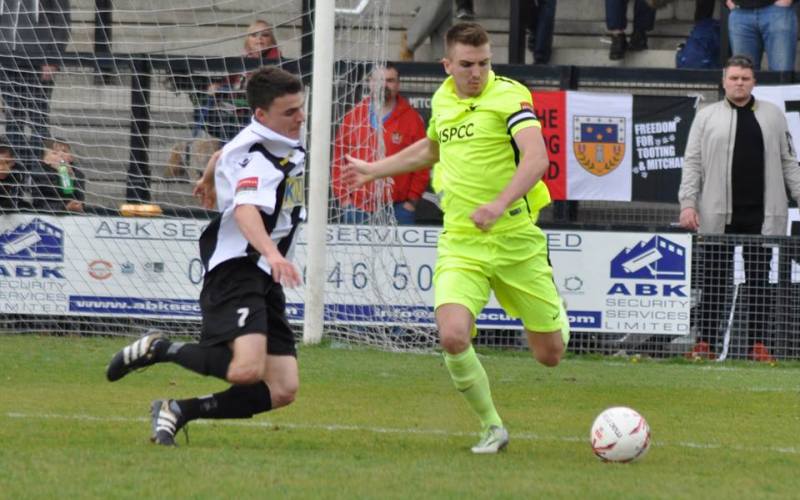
370,424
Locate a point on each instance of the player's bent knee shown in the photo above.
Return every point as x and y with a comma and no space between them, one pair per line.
245,374
454,343
284,398
548,358
547,348
548,355
283,394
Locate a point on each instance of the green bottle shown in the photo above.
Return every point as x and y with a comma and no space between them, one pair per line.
66,181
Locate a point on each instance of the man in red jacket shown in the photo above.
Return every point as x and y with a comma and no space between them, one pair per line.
358,137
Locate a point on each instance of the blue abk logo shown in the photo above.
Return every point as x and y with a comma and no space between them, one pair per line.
37,241
658,259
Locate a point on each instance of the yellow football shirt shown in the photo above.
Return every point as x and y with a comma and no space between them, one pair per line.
477,154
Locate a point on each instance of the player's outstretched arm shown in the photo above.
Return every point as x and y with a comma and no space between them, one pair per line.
204,187
533,163
249,221
419,155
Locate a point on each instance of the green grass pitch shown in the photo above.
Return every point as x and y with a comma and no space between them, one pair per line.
370,424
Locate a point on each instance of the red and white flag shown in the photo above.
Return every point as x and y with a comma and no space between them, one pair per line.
589,138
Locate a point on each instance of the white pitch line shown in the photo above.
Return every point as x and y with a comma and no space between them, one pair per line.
524,436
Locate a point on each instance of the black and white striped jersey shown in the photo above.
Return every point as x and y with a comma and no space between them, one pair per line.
263,168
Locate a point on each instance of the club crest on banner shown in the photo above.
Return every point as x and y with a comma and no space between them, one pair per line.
598,142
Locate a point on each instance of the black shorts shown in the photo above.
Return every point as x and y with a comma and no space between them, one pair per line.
239,298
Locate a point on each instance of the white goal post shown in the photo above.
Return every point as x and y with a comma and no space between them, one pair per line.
354,39
319,170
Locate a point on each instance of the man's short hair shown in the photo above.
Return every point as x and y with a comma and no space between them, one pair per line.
739,61
472,34
269,83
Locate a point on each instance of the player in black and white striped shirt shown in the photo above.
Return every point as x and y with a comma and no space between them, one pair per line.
257,186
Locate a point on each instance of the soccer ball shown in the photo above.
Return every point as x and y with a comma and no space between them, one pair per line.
620,434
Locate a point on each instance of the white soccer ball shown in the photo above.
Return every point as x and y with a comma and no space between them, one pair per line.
620,434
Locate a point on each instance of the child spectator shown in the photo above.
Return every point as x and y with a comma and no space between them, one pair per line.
11,179
58,185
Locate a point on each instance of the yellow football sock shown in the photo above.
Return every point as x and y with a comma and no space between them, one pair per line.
470,379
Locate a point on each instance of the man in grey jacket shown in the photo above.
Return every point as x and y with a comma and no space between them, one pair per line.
738,163
33,35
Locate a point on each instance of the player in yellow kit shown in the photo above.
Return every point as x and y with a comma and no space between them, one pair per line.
488,143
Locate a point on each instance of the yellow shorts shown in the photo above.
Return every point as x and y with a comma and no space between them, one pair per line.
514,265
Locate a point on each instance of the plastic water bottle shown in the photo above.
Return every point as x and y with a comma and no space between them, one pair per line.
66,181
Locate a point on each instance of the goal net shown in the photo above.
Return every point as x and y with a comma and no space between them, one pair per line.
111,111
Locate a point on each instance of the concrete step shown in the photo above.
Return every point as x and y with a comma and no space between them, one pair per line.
178,10
577,21
217,27
197,28
599,57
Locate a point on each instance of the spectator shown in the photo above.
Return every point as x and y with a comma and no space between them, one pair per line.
58,185
11,179
644,18
738,163
226,112
33,35
402,126
261,41
221,109
541,22
758,26
465,10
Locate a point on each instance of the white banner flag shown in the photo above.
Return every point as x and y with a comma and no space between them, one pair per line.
599,131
